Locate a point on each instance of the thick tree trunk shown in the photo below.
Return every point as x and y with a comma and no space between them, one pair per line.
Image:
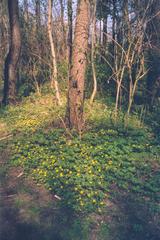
11,62
78,68
153,34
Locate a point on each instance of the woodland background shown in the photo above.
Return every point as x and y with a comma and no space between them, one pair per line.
79,119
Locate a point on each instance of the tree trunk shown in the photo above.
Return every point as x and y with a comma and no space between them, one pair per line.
78,68
114,21
54,82
26,13
11,62
64,44
38,14
70,31
153,34
93,52
105,32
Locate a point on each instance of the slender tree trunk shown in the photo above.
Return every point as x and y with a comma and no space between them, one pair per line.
26,14
70,31
126,23
118,90
93,52
38,14
114,22
11,62
64,44
114,46
78,68
3,34
100,32
54,82
105,26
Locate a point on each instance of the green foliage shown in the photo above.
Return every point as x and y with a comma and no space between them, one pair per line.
103,73
113,156
84,173
35,112
152,119
116,159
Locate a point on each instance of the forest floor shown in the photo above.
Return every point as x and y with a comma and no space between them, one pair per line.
31,137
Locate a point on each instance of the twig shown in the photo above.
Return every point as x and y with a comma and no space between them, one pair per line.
19,175
64,125
8,136
59,198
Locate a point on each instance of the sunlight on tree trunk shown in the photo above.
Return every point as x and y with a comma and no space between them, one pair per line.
93,52
78,68
54,82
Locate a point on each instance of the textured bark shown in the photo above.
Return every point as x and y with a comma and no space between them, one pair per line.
153,36
11,62
78,68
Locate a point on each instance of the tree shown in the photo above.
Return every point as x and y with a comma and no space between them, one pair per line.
54,81
38,14
70,30
3,34
93,38
64,43
153,38
11,62
78,67
26,14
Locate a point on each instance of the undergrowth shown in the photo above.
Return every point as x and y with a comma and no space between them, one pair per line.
84,173
112,157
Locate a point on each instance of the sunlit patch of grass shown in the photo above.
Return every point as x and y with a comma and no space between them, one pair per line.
84,172
112,151
31,114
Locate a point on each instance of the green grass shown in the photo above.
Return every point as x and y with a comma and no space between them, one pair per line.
115,161
83,173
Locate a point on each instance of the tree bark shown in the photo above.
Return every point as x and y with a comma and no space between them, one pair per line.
70,31
26,13
105,31
11,62
153,36
78,68
54,82
38,14
93,52
64,43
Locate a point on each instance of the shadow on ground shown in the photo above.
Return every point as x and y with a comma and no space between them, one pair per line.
130,218
30,212
27,211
